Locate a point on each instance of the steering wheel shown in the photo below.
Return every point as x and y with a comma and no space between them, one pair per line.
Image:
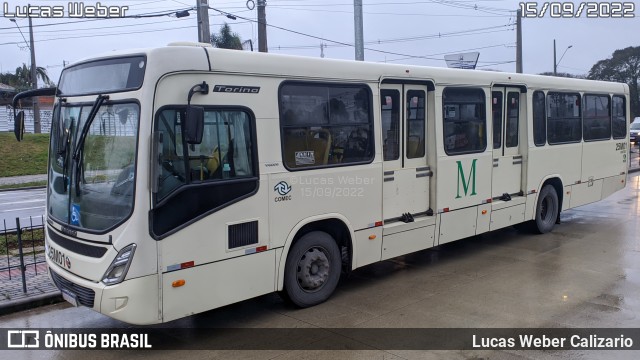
124,182
167,164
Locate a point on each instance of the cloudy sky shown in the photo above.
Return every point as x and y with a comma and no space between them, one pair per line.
398,31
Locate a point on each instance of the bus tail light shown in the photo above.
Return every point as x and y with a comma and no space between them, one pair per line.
119,266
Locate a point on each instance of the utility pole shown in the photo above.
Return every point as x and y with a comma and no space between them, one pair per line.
519,43
357,20
555,63
262,26
321,50
204,33
34,83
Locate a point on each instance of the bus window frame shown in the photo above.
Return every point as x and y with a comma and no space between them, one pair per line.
610,114
327,84
579,117
442,120
194,186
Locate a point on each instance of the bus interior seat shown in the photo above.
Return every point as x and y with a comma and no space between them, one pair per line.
318,141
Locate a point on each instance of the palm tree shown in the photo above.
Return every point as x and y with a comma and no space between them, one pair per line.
23,80
226,39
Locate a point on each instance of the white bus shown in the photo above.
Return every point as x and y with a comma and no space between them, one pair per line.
186,178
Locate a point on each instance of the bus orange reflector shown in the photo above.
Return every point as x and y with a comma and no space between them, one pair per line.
261,248
484,212
489,201
378,223
187,264
178,283
445,209
372,237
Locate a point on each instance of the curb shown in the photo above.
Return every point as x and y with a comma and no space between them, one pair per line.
13,306
25,188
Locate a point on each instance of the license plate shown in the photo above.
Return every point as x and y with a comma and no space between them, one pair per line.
70,297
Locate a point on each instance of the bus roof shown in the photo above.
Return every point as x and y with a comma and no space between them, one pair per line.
200,57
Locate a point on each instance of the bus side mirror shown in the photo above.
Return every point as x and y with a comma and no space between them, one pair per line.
194,125
18,125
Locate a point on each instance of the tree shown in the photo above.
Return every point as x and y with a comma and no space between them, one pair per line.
623,66
562,74
21,79
226,39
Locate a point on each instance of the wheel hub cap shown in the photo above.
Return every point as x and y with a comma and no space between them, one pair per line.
313,269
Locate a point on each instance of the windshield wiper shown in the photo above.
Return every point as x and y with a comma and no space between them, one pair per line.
77,152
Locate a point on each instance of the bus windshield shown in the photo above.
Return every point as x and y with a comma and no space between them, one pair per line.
92,190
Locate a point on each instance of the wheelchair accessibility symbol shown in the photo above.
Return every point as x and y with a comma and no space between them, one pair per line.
75,214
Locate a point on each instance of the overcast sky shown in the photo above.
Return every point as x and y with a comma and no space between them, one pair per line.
399,31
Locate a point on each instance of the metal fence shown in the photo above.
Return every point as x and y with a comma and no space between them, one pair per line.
22,249
6,119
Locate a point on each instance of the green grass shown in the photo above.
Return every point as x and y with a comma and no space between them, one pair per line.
23,185
10,241
28,157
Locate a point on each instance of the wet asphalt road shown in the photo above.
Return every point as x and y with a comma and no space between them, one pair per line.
23,204
585,274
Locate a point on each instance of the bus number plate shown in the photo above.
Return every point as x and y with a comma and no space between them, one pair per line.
71,298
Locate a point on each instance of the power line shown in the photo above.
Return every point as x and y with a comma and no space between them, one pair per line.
406,39
393,14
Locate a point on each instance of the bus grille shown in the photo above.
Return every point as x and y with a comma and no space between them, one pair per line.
243,234
77,247
85,296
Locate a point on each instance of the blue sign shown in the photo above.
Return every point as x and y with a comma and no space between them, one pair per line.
75,214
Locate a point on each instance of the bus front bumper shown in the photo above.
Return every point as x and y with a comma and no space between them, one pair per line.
134,301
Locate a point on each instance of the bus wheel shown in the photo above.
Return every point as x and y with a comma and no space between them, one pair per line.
547,210
312,269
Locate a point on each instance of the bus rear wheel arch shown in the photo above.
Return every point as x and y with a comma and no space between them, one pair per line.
312,269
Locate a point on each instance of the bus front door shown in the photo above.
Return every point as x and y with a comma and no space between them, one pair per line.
405,208
506,188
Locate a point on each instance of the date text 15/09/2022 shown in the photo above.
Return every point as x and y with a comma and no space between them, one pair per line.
589,9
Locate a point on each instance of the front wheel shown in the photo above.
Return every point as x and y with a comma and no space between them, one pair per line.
312,269
547,210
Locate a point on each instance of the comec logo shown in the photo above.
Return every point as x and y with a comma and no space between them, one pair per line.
467,181
282,188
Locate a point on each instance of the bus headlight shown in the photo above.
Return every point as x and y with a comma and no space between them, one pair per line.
119,266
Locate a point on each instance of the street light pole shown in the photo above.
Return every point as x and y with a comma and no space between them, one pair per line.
34,80
556,63
37,129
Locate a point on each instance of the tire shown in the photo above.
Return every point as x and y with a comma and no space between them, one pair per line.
547,210
312,270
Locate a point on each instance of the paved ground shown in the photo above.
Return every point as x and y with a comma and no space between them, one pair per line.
584,274
40,289
22,179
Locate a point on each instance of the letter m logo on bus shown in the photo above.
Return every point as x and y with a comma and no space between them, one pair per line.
467,180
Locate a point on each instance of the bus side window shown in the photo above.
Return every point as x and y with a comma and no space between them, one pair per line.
224,153
464,120
539,119
563,118
325,124
390,104
619,117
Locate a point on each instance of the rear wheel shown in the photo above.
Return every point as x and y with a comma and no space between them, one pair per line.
547,210
312,269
